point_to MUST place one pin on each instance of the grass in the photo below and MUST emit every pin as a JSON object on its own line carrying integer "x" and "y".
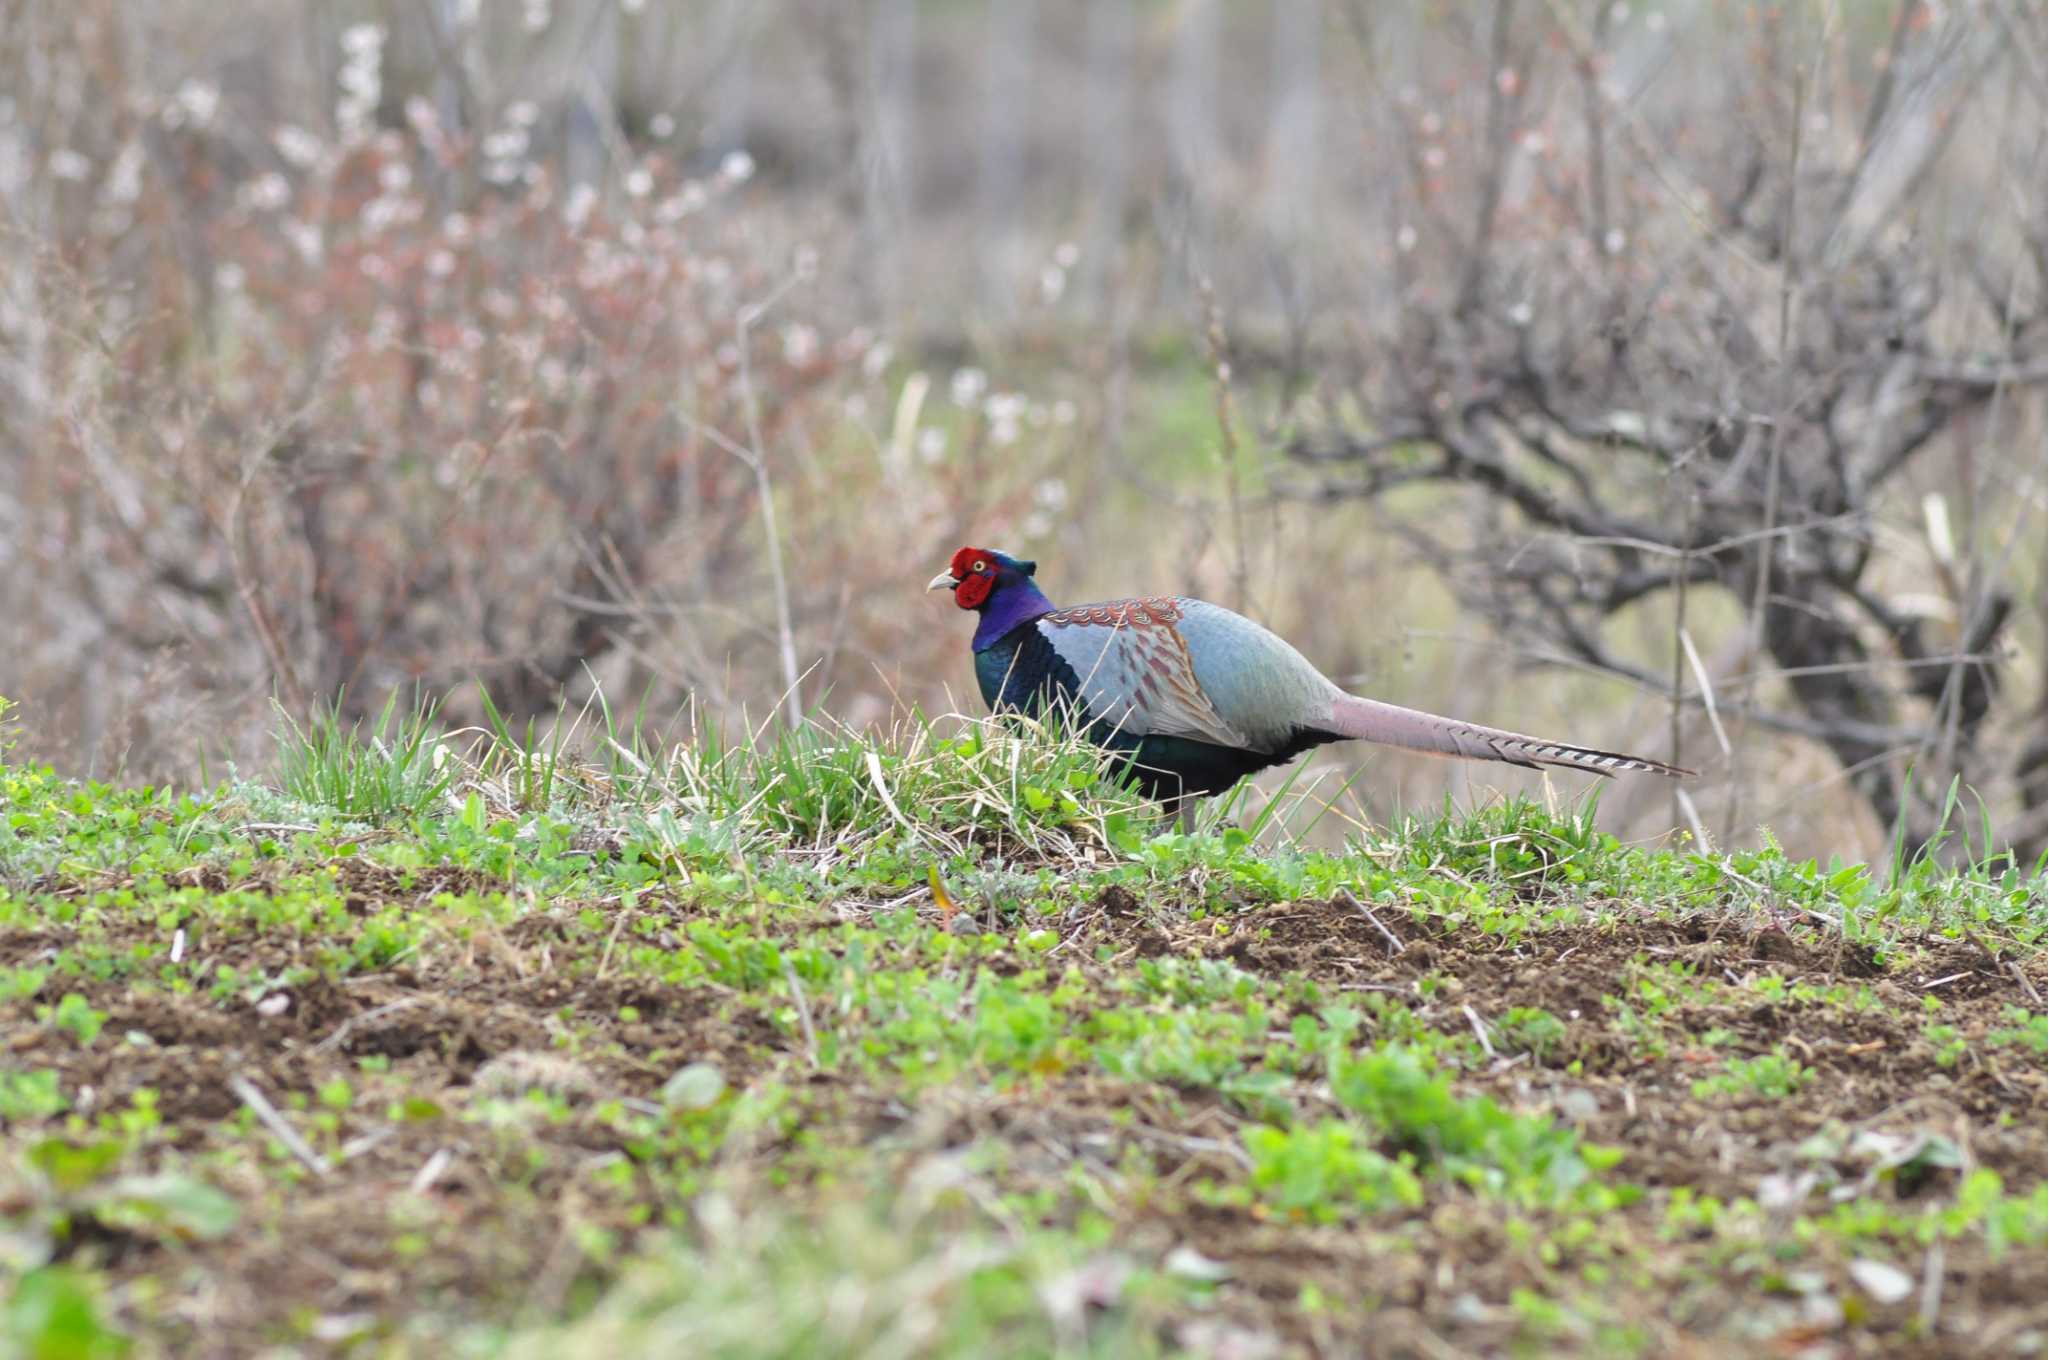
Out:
{"x": 398, "y": 766}
{"x": 933, "y": 1041}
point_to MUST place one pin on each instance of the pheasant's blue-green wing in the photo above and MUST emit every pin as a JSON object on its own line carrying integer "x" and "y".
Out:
{"x": 1253, "y": 677}
{"x": 1133, "y": 671}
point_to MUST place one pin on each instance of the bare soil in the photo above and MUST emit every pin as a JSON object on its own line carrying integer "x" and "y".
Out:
{"x": 496, "y": 1243}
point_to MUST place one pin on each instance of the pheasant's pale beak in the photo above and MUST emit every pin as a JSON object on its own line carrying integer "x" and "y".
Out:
{"x": 943, "y": 581}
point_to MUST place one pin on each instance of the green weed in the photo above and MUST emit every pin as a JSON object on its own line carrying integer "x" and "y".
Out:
{"x": 1768, "y": 1076}
{"x": 399, "y": 767}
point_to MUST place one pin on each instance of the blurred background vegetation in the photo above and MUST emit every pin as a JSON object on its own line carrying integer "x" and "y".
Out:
{"x": 1661, "y": 375}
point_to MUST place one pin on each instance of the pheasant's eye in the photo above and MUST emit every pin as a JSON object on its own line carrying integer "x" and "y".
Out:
{"x": 979, "y": 567}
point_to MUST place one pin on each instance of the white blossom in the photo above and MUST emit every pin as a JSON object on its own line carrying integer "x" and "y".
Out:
{"x": 296, "y": 145}
{"x": 361, "y": 78}
{"x": 196, "y": 102}
{"x": 1005, "y": 411}
{"x": 268, "y": 192}
{"x": 576, "y": 210}
{"x": 357, "y": 39}
{"x": 799, "y": 345}
{"x": 306, "y": 239}
{"x": 967, "y": 386}
{"x": 124, "y": 177}
{"x": 505, "y": 145}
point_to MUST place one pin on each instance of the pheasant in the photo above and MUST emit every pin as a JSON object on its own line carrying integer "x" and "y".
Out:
{"x": 1198, "y": 696}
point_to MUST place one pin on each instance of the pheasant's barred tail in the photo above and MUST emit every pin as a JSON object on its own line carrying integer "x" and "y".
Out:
{"x": 1414, "y": 730}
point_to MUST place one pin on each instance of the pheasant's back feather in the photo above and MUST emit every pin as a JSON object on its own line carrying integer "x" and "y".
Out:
{"x": 1144, "y": 612}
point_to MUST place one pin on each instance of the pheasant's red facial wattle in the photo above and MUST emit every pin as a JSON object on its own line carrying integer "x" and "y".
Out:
{"x": 973, "y": 590}
{"x": 975, "y": 570}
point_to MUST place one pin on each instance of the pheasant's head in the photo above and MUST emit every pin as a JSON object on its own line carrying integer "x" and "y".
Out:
{"x": 978, "y": 575}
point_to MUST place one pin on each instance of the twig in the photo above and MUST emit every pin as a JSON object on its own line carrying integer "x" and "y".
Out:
{"x": 1588, "y": 68}
{"x": 1699, "y": 670}
{"x": 357, "y": 1146}
{"x": 1500, "y": 127}
{"x": 1394, "y": 945}
{"x": 2033, "y": 993}
{"x": 803, "y": 1012}
{"x": 423, "y": 1180}
{"x": 604, "y": 962}
{"x": 1680, "y": 801}
{"x": 266, "y": 1113}
{"x": 1226, "y": 425}
{"x": 1479, "y": 1028}
{"x": 1930, "y": 1286}
{"x": 785, "y": 630}
{"x": 1690, "y": 811}
{"x": 252, "y": 599}
{"x": 1193, "y": 1144}
{"x": 341, "y": 1031}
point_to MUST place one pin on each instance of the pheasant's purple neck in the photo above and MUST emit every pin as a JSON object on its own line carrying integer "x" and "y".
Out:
{"x": 1018, "y": 602}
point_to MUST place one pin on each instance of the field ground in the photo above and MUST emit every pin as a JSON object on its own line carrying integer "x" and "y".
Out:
{"x": 926, "y": 1045}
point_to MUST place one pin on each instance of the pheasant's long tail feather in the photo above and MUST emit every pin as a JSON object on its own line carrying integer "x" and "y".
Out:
{"x": 1414, "y": 730}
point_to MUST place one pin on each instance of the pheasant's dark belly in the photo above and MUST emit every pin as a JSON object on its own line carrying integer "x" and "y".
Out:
{"x": 1175, "y": 767}
{"x": 1023, "y": 673}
